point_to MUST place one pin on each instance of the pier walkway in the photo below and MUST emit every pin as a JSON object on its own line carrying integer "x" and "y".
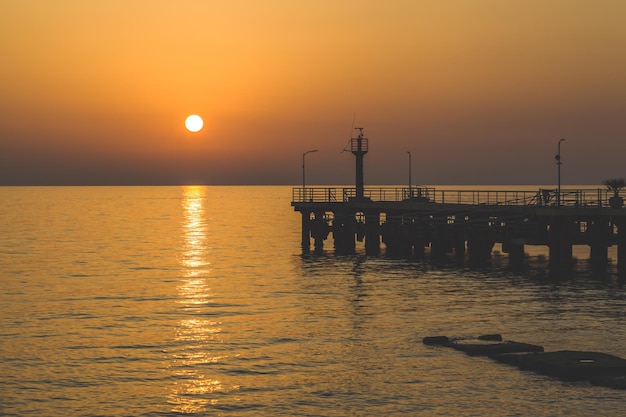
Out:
{"x": 410, "y": 220}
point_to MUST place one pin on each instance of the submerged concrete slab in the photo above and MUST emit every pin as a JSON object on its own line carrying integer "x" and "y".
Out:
{"x": 483, "y": 345}
{"x": 568, "y": 364}
{"x": 437, "y": 340}
{"x": 485, "y": 348}
{"x": 598, "y": 368}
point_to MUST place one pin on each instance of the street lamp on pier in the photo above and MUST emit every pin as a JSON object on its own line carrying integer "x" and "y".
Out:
{"x": 303, "y": 171}
{"x": 558, "y": 165}
{"x": 410, "y": 190}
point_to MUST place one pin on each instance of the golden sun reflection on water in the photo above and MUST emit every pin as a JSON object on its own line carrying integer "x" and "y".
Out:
{"x": 194, "y": 334}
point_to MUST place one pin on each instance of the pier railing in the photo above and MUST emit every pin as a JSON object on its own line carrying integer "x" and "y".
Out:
{"x": 594, "y": 197}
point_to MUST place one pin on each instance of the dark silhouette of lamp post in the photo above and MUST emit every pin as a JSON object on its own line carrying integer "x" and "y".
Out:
{"x": 303, "y": 171}
{"x": 410, "y": 190}
{"x": 558, "y": 168}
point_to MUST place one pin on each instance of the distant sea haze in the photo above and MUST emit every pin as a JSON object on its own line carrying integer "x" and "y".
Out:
{"x": 164, "y": 301}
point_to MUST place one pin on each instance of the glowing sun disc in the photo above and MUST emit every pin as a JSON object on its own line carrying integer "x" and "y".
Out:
{"x": 194, "y": 123}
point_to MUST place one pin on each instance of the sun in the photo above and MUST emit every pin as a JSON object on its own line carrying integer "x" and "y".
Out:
{"x": 194, "y": 123}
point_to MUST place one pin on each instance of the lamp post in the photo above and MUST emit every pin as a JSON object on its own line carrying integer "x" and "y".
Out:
{"x": 558, "y": 167}
{"x": 410, "y": 190}
{"x": 303, "y": 172}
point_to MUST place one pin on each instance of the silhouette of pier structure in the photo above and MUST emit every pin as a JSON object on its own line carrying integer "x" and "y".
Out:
{"x": 415, "y": 221}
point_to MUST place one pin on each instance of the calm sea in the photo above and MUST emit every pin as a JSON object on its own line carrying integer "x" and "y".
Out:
{"x": 163, "y": 301}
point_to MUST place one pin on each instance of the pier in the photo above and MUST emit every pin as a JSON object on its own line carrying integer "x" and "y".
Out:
{"x": 409, "y": 221}
{"x": 417, "y": 221}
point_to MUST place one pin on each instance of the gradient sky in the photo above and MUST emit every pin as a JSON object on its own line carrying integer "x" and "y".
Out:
{"x": 480, "y": 91}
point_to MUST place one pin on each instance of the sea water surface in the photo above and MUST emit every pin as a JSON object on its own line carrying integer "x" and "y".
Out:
{"x": 165, "y": 301}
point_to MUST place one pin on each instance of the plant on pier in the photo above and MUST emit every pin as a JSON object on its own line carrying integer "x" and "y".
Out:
{"x": 615, "y": 185}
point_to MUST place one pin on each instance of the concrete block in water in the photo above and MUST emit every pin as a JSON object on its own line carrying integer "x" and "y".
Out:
{"x": 568, "y": 364}
{"x": 492, "y": 348}
{"x": 574, "y": 364}
{"x": 487, "y": 344}
{"x": 436, "y": 340}
{"x": 495, "y": 337}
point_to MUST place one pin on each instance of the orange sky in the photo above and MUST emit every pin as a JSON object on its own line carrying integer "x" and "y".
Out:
{"x": 480, "y": 91}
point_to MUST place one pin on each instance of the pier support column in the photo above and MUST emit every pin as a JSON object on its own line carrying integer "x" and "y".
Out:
{"x": 480, "y": 243}
{"x": 459, "y": 249}
{"x": 479, "y": 251}
{"x": 513, "y": 244}
{"x": 306, "y": 231}
{"x": 417, "y": 236}
{"x": 440, "y": 242}
{"x": 319, "y": 231}
{"x": 394, "y": 237}
{"x": 600, "y": 234}
{"x": 344, "y": 229}
{"x": 460, "y": 237}
{"x": 621, "y": 246}
{"x": 561, "y": 231}
{"x": 405, "y": 238}
{"x": 372, "y": 233}
{"x": 515, "y": 249}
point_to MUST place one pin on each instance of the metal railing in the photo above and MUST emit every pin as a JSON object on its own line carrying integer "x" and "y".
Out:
{"x": 390, "y": 193}
{"x": 595, "y": 197}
